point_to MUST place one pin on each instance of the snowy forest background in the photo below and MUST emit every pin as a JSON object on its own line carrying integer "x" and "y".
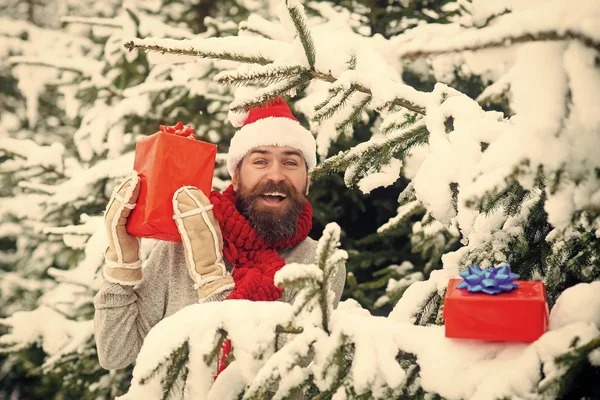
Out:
{"x": 449, "y": 133}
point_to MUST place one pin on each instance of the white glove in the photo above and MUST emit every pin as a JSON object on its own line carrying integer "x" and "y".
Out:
{"x": 122, "y": 256}
{"x": 203, "y": 244}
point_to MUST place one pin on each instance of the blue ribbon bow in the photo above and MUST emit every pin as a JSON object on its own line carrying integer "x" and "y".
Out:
{"x": 489, "y": 280}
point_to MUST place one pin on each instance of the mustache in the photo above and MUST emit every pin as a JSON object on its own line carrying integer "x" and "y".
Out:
{"x": 270, "y": 186}
{"x": 281, "y": 187}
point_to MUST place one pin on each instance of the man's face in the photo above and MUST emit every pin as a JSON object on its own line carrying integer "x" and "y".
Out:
{"x": 271, "y": 185}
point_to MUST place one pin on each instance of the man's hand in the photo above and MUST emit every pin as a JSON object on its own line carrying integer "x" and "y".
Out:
{"x": 122, "y": 257}
{"x": 203, "y": 244}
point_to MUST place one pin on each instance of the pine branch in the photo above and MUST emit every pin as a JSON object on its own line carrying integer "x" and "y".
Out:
{"x": 398, "y": 145}
{"x": 331, "y": 93}
{"x": 267, "y": 387}
{"x": 335, "y": 104}
{"x": 42, "y": 63}
{"x": 243, "y": 27}
{"x": 257, "y": 25}
{"x": 221, "y": 55}
{"x": 108, "y": 22}
{"x": 511, "y": 197}
{"x": 176, "y": 369}
{"x": 398, "y": 121}
{"x": 299, "y": 18}
{"x": 397, "y": 102}
{"x": 175, "y": 362}
{"x": 210, "y": 358}
{"x": 454, "y": 188}
{"x": 354, "y": 116}
{"x": 328, "y": 245}
{"x": 542, "y": 36}
{"x": 307, "y": 299}
{"x": 263, "y": 75}
{"x": 430, "y": 307}
{"x": 408, "y": 194}
{"x": 296, "y": 330}
{"x": 574, "y": 362}
{"x": 261, "y": 60}
{"x": 339, "y": 364}
{"x": 265, "y": 95}
{"x": 404, "y": 212}
{"x": 296, "y": 391}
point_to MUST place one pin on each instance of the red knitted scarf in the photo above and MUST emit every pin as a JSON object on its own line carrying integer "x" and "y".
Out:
{"x": 254, "y": 260}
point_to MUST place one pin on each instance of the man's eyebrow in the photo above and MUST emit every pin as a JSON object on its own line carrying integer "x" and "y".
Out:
{"x": 292, "y": 153}
{"x": 254, "y": 151}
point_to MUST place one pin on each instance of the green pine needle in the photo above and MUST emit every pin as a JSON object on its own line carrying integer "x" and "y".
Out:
{"x": 330, "y": 95}
{"x": 265, "y": 95}
{"x": 354, "y": 117}
{"x": 408, "y": 194}
{"x": 398, "y": 147}
{"x": 176, "y": 364}
{"x": 176, "y": 370}
{"x": 212, "y": 356}
{"x": 261, "y": 76}
{"x": 224, "y": 55}
{"x": 335, "y": 104}
{"x": 299, "y": 19}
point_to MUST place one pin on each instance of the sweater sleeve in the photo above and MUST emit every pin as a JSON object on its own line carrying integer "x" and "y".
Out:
{"x": 124, "y": 315}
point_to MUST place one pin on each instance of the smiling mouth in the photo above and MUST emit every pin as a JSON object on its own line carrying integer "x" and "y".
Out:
{"x": 273, "y": 198}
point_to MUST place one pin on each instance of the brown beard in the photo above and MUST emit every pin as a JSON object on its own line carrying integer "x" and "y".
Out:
{"x": 272, "y": 225}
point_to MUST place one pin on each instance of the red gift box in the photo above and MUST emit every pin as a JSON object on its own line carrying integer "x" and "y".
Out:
{"x": 519, "y": 315}
{"x": 166, "y": 161}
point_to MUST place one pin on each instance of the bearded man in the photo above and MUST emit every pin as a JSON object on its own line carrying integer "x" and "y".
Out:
{"x": 232, "y": 244}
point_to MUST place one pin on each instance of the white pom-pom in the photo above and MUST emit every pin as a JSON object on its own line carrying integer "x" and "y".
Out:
{"x": 237, "y": 118}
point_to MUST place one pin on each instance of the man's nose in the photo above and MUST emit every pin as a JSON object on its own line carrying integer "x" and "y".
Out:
{"x": 275, "y": 173}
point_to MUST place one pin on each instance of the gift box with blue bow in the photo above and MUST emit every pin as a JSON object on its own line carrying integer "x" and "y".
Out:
{"x": 491, "y": 304}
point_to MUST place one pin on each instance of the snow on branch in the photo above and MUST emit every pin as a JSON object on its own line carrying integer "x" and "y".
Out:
{"x": 386, "y": 92}
{"x": 314, "y": 281}
{"x": 81, "y": 66}
{"x": 108, "y": 22}
{"x": 502, "y": 42}
{"x": 34, "y": 154}
{"x": 338, "y": 97}
{"x": 556, "y": 20}
{"x": 265, "y": 28}
{"x": 262, "y": 96}
{"x": 57, "y": 334}
{"x": 399, "y": 143}
{"x": 358, "y": 104}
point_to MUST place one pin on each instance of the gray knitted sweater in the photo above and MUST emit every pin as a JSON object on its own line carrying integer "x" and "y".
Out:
{"x": 124, "y": 315}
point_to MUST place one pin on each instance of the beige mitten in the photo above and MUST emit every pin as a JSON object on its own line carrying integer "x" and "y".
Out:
{"x": 123, "y": 265}
{"x": 203, "y": 244}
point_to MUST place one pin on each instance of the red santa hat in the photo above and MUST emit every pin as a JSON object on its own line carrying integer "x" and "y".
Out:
{"x": 270, "y": 125}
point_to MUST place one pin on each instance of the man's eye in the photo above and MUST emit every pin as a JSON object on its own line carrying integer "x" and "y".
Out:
{"x": 291, "y": 163}
{"x": 260, "y": 162}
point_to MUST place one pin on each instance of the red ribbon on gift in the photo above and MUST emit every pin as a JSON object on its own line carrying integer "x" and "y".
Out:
{"x": 179, "y": 129}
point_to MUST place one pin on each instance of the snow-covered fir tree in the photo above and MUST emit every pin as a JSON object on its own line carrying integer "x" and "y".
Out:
{"x": 519, "y": 186}
{"x": 74, "y": 105}
{"x": 507, "y": 173}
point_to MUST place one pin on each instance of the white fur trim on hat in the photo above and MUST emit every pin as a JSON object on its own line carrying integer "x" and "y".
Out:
{"x": 237, "y": 118}
{"x": 271, "y": 131}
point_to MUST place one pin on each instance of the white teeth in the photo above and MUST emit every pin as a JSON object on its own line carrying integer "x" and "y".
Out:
{"x": 275, "y": 194}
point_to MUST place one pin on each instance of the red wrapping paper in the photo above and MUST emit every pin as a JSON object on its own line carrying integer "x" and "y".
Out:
{"x": 519, "y": 315}
{"x": 165, "y": 162}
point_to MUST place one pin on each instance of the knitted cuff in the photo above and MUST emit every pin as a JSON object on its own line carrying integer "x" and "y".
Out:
{"x": 123, "y": 274}
{"x": 219, "y": 295}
